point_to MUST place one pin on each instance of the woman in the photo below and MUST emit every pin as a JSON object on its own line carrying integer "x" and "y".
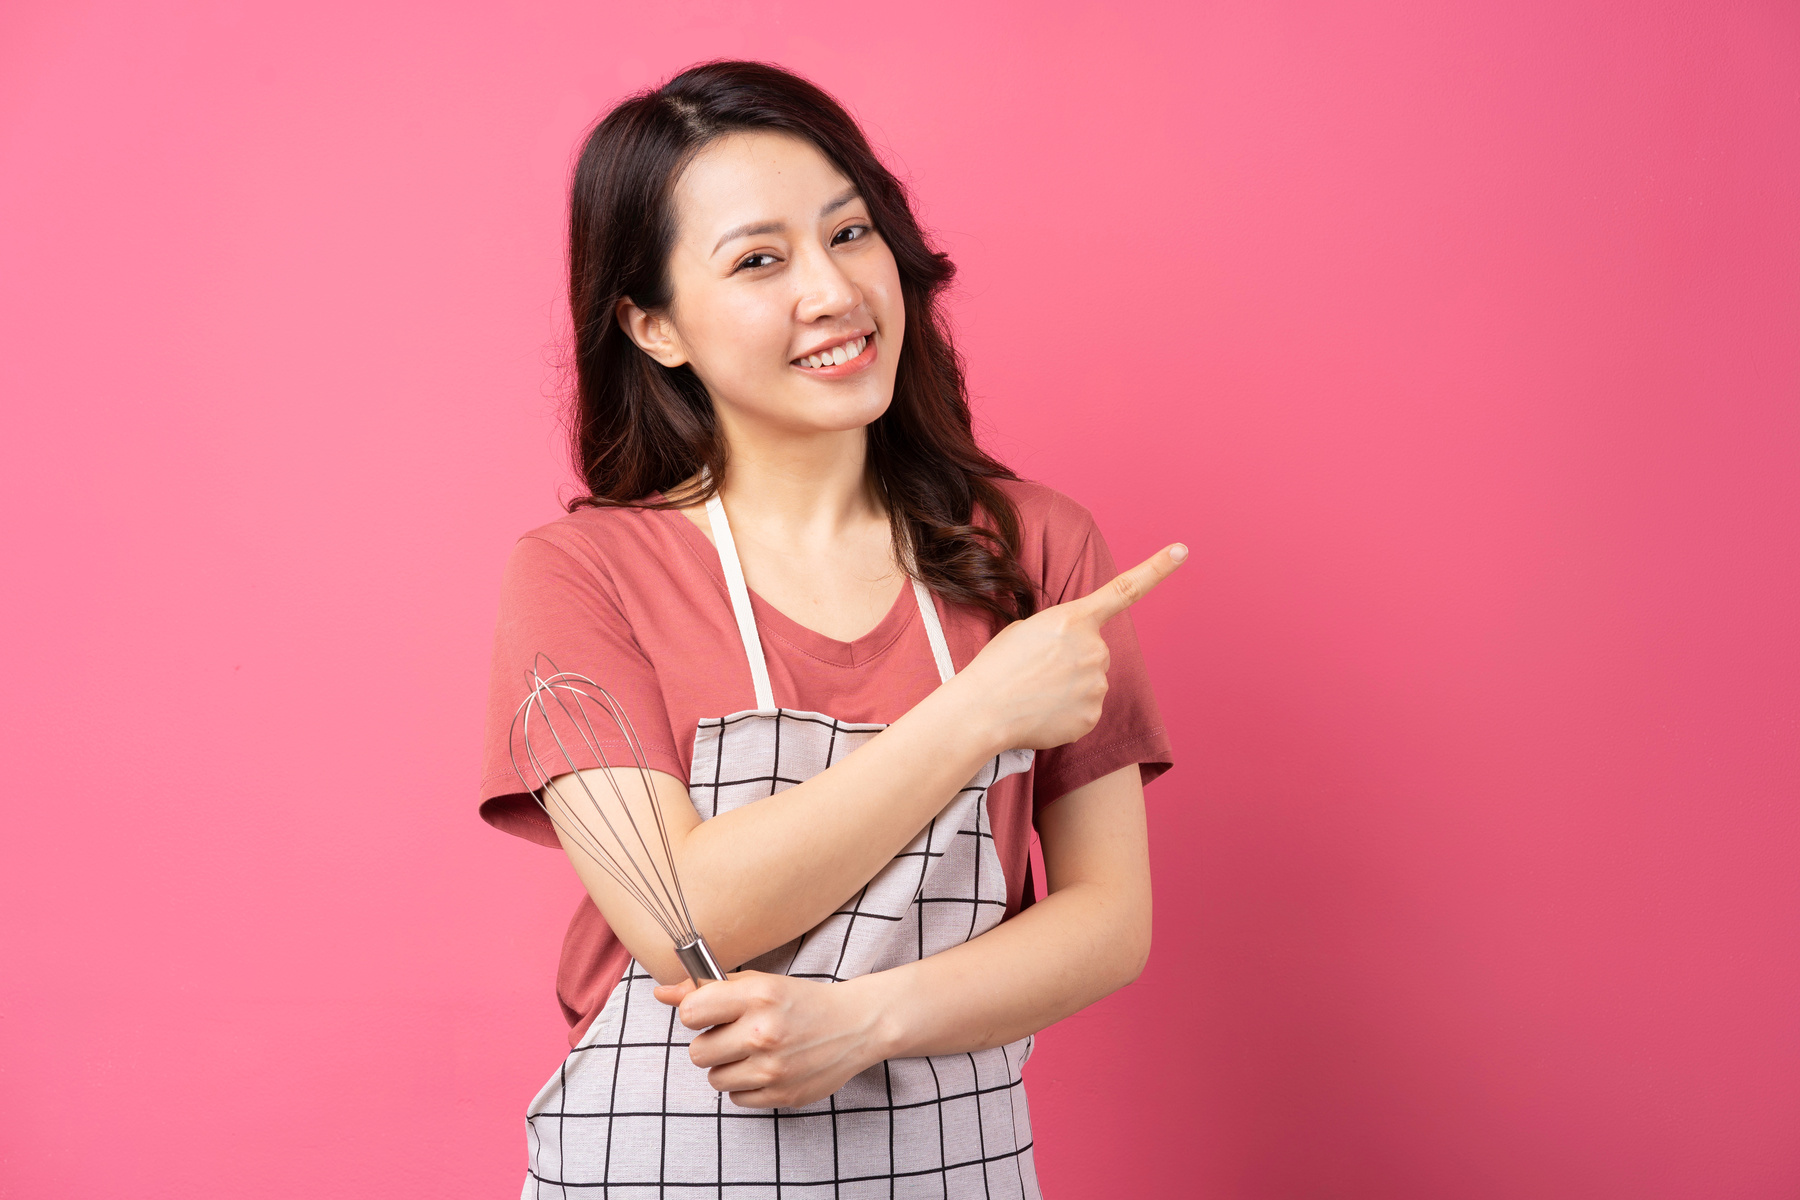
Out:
{"x": 793, "y": 548}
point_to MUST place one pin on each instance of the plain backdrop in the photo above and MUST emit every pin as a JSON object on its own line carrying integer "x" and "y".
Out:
{"x": 1461, "y": 341}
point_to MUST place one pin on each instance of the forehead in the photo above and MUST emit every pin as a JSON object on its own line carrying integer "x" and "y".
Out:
{"x": 750, "y": 177}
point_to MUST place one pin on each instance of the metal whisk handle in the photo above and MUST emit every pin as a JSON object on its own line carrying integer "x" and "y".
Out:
{"x": 697, "y": 957}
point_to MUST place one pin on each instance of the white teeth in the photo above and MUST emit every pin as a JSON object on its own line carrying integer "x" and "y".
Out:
{"x": 837, "y": 355}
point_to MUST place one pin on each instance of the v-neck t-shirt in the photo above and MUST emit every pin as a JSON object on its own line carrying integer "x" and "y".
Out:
{"x": 636, "y": 599}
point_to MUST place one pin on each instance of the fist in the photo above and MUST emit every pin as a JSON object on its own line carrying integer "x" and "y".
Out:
{"x": 771, "y": 1041}
{"x": 1045, "y": 677}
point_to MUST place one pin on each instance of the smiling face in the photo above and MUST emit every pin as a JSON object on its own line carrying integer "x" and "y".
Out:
{"x": 786, "y": 302}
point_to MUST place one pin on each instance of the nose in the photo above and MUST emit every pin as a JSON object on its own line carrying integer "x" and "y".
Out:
{"x": 824, "y": 290}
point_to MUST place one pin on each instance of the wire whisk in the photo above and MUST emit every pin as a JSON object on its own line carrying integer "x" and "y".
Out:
{"x": 555, "y": 730}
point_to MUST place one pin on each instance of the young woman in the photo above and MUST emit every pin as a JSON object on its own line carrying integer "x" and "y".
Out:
{"x": 792, "y": 548}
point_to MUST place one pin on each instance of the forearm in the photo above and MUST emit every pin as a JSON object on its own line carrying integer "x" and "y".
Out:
{"x": 775, "y": 1041}
{"x": 1062, "y": 954}
{"x": 760, "y": 875}
{"x": 1089, "y": 937}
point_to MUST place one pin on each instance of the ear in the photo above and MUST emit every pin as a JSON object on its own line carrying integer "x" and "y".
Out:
{"x": 653, "y": 333}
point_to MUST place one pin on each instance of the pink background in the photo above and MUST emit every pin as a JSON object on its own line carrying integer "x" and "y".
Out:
{"x": 1462, "y": 342}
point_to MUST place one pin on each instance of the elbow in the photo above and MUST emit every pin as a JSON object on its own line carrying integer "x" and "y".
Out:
{"x": 1135, "y": 939}
{"x": 665, "y": 968}
{"x": 1135, "y": 953}
{"x": 1120, "y": 938}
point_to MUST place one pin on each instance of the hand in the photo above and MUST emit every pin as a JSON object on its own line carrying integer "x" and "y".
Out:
{"x": 1044, "y": 678}
{"x": 776, "y": 1042}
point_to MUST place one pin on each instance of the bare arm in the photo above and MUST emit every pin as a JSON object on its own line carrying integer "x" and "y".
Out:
{"x": 776, "y": 1041}
{"x": 1087, "y": 938}
{"x": 758, "y": 876}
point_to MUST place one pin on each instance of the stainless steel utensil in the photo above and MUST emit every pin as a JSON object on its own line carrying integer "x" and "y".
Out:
{"x": 553, "y": 720}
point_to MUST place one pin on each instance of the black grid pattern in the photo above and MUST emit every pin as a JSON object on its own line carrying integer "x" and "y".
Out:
{"x": 628, "y": 1114}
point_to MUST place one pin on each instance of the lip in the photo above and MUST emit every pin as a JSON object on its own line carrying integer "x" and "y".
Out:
{"x": 848, "y": 367}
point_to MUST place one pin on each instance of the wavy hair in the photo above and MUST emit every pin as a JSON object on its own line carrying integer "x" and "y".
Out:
{"x": 638, "y": 427}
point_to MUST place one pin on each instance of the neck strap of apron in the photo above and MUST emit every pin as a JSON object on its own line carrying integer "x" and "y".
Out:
{"x": 746, "y": 620}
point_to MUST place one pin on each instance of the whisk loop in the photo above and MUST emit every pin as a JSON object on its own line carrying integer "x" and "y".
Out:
{"x": 556, "y": 733}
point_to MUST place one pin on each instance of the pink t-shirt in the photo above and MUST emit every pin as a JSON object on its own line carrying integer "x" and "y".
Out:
{"x": 636, "y": 599}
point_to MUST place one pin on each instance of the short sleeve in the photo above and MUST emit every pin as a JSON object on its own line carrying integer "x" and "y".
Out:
{"x": 557, "y": 601}
{"x": 1131, "y": 726}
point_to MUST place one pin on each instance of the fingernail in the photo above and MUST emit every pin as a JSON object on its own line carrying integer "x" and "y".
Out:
{"x": 1178, "y": 552}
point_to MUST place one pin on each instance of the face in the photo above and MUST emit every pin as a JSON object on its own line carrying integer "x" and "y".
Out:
{"x": 786, "y": 302}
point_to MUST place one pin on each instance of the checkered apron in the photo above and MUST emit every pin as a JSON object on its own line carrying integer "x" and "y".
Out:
{"x": 629, "y": 1115}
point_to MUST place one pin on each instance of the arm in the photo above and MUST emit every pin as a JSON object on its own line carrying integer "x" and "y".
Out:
{"x": 1089, "y": 937}
{"x": 763, "y": 874}
{"x": 779, "y": 1041}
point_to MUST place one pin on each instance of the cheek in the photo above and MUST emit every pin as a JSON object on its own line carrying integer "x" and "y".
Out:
{"x": 890, "y": 305}
{"x": 737, "y": 338}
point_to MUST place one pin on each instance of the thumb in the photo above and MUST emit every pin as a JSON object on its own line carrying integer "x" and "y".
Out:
{"x": 673, "y": 994}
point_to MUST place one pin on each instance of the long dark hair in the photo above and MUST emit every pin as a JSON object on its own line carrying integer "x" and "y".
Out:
{"x": 639, "y": 427}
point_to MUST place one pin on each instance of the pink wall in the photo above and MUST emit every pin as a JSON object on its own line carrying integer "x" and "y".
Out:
{"x": 1461, "y": 341}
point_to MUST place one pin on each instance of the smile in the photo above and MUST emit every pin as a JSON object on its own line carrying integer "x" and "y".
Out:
{"x": 843, "y": 354}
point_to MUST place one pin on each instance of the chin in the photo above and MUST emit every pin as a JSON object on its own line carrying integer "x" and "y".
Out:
{"x": 837, "y": 413}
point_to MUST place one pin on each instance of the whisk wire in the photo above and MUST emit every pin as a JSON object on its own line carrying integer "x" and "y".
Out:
{"x": 641, "y": 875}
{"x": 581, "y": 835}
{"x": 659, "y": 887}
{"x": 623, "y": 719}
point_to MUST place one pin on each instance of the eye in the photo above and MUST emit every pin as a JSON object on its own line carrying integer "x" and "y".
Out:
{"x": 850, "y": 233}
{"x": 753, "y": 262}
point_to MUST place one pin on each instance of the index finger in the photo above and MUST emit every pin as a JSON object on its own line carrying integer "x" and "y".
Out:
{"x": 1128, "y": 587}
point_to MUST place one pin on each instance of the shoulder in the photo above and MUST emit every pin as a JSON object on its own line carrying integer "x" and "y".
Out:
{"x": 596, "y": 549}
{"x": 1047, "y": 517}
{"x": 597, "y": 535}
{"x": 1059, "y": 545}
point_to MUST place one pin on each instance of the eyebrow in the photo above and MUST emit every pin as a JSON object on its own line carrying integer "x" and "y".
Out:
{"x": 759, "y": 227}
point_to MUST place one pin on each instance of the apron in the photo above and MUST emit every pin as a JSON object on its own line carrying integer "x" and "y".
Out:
{"x": 629, "y": 1115}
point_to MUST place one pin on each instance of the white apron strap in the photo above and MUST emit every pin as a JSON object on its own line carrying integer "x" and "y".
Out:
{"x": 934, "y": 631}
{"x": 746, "y": 619}
{"x": 740, "y": 602}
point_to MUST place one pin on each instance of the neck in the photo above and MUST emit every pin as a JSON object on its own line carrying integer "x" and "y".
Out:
{"x": 801, "y": 489}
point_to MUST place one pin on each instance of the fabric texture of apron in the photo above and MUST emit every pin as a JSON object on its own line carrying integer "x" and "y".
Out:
{"x": 628, "y": 1114}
